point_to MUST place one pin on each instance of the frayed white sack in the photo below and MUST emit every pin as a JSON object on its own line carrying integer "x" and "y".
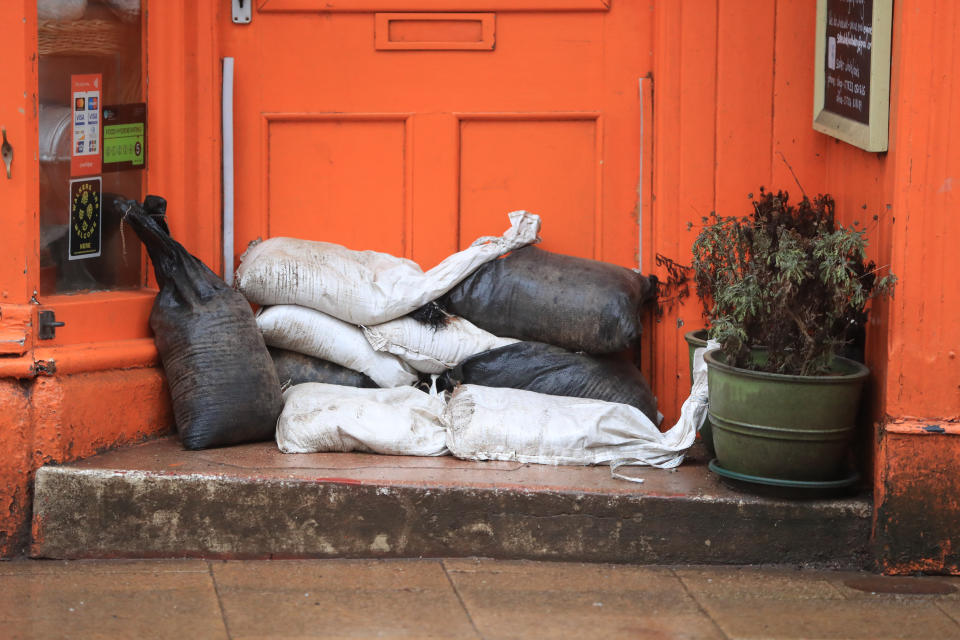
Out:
{"x": 364, "y": 287}
{"x": 429, "y": 349}
{"x": 486, "y": 423}
{"x": 316, "y": 334}
{"x": 321, "y": 417}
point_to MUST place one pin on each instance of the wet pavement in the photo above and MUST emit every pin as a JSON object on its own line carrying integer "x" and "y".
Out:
{"x": 462, "y": 598}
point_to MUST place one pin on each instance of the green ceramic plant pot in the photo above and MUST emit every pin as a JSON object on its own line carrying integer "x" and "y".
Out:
{"x": 696, "y": 340}
{"x": 771, "y": 425}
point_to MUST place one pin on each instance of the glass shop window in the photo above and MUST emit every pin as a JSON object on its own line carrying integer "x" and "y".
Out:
{"x": 92, "y": 142}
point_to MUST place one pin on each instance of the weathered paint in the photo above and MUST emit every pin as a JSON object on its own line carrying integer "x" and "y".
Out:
{"x": 917, "y": 519}
{"x": 16, "y": 328}
{"x": 15, "y": 461}
{"x": 67, "y": 417}
{"x": 918, "y": 498}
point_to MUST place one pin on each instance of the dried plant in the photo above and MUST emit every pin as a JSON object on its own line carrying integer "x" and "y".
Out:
{"x": 788, "y": 278}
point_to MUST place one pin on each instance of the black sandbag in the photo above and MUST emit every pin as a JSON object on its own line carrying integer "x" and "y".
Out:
{"x": 223, "y": 384}
{"x": 545, "y": 368}
{"x": 575, "y": 303}
{"x": 297, "y": 368}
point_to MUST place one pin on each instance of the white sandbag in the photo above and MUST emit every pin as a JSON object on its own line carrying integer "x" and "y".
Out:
{"x": 62, "y": 10}
{"x": 364, "y": 287}
{"x": 487, "y": 423}
{"x": 321, "y": 417}
{"x": 126, "y": 10}
{"x": 316, "y": 334}
{"x": 432, "y": 349}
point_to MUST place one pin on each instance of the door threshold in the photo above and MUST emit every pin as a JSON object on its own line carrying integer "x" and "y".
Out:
{"x": 251, "y": 501}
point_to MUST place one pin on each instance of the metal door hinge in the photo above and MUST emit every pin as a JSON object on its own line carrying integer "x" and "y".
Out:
{"x": 242, "y": 11}
{"x": 47, "y": 325}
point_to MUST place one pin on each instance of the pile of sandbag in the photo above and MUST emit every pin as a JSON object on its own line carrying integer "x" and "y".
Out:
{"x": 532, "y": 320}
{"x": 518, "y": 331}
{"x": 485, "y": 357}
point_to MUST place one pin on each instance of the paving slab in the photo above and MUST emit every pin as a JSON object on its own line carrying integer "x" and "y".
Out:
{"x": 157, "y": 499}
{"x": 772, "y": 602}
{"x": 343, "y": 599}
{"x": 520, "y": 599}
{"x": 53, "y": 600}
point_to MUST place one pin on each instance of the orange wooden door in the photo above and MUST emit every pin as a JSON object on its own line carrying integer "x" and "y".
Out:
{"x": 414, "y": 126}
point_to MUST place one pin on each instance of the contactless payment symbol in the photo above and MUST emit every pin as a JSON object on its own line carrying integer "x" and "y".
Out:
{"x": 86, "y": 219}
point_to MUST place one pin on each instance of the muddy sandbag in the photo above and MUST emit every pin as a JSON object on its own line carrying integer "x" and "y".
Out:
{"x": 544, "y": 368}
{"x": 575, "y": 303}
{"x": 297, "y": 368}
{"x": 223, "y": 384}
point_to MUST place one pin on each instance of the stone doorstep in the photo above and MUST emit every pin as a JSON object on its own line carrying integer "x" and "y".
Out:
{"x": 251, "y": 501}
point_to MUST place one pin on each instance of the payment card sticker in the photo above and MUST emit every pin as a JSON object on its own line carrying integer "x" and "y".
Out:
{"x": 86, "y": 152}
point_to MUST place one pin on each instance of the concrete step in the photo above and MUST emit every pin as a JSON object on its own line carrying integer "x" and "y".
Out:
{"x": 252, "y": 501}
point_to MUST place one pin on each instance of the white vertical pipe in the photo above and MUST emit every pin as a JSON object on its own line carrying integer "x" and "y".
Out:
{"x": 227, "y": 134}
{"x": 640, "y": 183}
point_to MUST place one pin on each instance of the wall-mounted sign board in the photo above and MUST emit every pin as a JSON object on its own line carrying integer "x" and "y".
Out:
{"x": 851, "y": 96}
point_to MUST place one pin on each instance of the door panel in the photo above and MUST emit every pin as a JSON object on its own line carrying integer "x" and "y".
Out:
{"x": 419, "y": 150}
{"x": 538, "y": 163}
{"x": 337, "y": 178}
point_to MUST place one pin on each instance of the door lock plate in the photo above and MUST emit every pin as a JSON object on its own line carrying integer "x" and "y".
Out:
{"x": 242, "y": 11}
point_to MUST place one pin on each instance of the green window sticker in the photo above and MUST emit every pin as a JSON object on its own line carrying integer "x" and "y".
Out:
{"x": 124, "y": 143}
